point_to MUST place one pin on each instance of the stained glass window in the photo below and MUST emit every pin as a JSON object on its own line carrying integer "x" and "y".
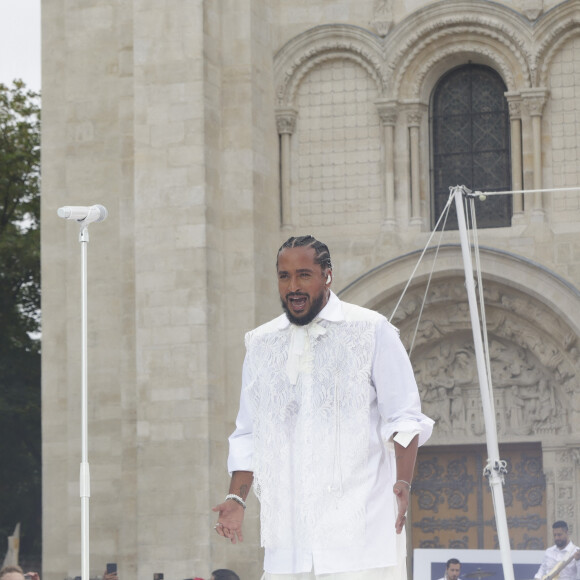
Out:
{"x": 470, "y": 143}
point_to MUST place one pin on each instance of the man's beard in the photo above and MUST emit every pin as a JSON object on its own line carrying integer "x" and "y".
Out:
{"x": 315, "y": 308}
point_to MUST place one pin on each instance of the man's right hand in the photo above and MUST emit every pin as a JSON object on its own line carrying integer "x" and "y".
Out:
{"x": 230, "y": 520}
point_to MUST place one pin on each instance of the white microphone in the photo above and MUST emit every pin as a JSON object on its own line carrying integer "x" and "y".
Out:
{"x": 83, "y": 214}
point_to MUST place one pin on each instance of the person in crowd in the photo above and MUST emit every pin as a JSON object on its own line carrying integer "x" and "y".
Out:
{"x": 563, "y": 558}
{"x": 452, "y": 570}
{"x": 224, "y": 574}
{"x": 16, "y": 573}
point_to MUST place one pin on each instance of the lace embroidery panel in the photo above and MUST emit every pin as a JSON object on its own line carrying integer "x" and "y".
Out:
{"x": 311, "y": 438}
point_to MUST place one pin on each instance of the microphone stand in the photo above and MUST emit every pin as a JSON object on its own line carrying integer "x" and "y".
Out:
{"x": 84, "y": 216}
{"x": 85, "y": 478}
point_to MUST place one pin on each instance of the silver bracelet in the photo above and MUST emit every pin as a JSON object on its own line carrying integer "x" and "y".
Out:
{"x": 403, "y": 481}
{"x": 237, "y": 499}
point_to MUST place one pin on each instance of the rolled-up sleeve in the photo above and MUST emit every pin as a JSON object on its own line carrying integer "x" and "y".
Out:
{"x": 240, "y": 457}
{"x": 397, "y": 393}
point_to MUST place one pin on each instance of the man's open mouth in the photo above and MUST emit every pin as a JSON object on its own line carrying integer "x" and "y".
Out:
{"x": 297, "y": 302}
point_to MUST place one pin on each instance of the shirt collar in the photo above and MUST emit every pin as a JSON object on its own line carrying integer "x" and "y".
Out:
{"x": 332, "y": 312}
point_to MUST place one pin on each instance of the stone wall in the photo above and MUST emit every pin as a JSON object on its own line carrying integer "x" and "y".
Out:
{"x": 212, "y": 131}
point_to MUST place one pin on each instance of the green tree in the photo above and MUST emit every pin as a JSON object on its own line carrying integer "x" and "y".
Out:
{"x": 20, "y": 437}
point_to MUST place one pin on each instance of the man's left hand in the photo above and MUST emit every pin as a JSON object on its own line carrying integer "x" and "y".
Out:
{"x": 401, "y": 491}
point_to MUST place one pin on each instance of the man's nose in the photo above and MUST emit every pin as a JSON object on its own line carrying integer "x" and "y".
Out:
{"x": 294, "y": 284}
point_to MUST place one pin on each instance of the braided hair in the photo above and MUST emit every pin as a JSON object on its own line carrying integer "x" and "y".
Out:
{"x": 321, "y": 251}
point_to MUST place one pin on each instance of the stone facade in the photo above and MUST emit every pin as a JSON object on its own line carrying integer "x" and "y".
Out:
{"x": 214, "y": 129}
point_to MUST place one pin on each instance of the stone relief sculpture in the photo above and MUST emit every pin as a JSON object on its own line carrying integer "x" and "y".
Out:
{"x": 531, "y": 9}
{"x": 534, "y": 363}
{"x": 463, "y": 374}
{"x": 382, "y": 20}
{"x": 515, "y": 411}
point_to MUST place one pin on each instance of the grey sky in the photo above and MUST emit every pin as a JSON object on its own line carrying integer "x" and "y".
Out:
{"x": 20, "y": 42}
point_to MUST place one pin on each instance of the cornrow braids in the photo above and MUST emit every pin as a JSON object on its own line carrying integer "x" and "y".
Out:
{"x": 321, "y": 251}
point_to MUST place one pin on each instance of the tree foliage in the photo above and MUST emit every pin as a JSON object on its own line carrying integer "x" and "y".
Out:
{"x": 20, "y": 437}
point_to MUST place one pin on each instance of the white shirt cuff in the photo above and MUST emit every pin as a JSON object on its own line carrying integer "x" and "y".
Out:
{"x": 405, "y": 437}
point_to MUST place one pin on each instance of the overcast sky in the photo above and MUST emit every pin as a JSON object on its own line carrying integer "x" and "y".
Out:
{"x": 20, "y": 42}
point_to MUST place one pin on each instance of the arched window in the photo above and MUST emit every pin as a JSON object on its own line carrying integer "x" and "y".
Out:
{"x": 470, "y": 143}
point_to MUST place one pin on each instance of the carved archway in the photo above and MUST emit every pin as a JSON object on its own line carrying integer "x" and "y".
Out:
{"x": 533, "y": 323}
{"x": 336, "y": 41}
{"x": 485, "y": 33}
{"x": 556, "y": 28}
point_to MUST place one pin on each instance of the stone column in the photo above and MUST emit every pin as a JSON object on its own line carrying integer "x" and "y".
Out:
{"x": 388, "y": 115}
{"x": 414, "y": 118}
{"x": 535, "y": 99}
{"x": 515, "y": 108}
{"x": 561, "y": 466}
{"x": 286, "y": 124}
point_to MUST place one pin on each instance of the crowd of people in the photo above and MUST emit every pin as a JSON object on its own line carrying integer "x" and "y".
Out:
{"x": 17, "y": 573}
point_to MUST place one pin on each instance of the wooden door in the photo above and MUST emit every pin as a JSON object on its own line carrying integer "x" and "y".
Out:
{"x": 452, "y": 506}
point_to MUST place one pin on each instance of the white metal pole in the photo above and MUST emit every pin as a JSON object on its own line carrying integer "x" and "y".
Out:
{"x": 84, "y": 215}
{"x": 85, "y": 479}
{"x": 494, "y": 470}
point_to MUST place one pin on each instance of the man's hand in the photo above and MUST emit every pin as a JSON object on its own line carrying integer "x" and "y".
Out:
{"x": 230, "y": 520}
{"x": 577, "y": 554}
{"x": 401, "y": 492}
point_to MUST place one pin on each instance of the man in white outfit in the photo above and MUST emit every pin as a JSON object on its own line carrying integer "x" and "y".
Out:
{"x": 327, "y": 432}
{"x": 562, "y": 559}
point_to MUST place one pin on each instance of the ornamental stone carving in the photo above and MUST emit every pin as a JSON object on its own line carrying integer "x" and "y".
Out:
{"x": 534, "y": 100}
{"x": 531, "y": 9}
{"x": 565, "y": 512}
{"x": 552, "y": 44}
{"x": 286, "y": 120}
{"x": 514, "y": 100}
{"x": 319, "y": 45}
{"x": 388, "y": 112}
{"x": 532, "y": 356}
{"x": 382, "y": 20}
{"x": 443, "y": 32}
{"x": 414, "y": 118}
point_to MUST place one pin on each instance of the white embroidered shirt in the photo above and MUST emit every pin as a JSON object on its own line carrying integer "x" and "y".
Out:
{"x": 318, "y": 409}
